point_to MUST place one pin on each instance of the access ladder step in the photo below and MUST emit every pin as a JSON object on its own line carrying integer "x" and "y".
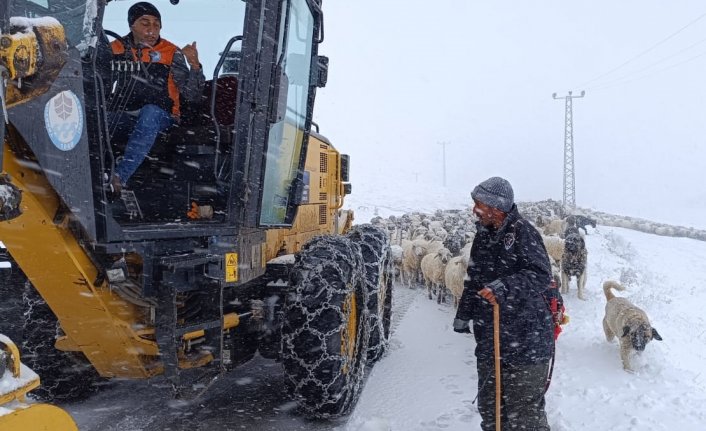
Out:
{"x": 132, "y": 207}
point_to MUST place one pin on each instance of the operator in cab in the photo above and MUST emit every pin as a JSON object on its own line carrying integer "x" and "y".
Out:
{"x": 149, "y": 75}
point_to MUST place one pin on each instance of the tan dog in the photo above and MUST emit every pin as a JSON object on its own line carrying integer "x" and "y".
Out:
{"x": 629, "y": 322}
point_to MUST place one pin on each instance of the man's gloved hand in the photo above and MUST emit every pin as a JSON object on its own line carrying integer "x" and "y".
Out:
{"x": 461, "y": 326}
{"x": 487, "y": 294}
{"x": 493, "y": 292}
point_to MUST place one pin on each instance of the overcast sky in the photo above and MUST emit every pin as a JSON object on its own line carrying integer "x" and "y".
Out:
{"x": 406, "y": 75}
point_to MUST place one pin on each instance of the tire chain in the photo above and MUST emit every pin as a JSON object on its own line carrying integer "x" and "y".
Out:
{"x": 64, "y": 375}
{"x": 314, "y": 297}
{"x": 377, "y": 256}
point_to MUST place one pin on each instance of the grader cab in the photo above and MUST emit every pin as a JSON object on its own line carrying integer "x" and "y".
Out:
{"x": 231, "y": 238}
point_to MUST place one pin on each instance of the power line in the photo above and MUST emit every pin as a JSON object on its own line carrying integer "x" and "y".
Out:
{"x": 649, "y": 66}
{"x": 700, "y": 17}
{"x": 615, "y": 84}
{"x": 625, "y": 78}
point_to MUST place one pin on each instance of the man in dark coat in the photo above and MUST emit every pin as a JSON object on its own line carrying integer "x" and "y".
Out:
{"x": 509, "y": 266}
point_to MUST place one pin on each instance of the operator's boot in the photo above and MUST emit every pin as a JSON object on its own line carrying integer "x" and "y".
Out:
{"x": 113, "y": 187}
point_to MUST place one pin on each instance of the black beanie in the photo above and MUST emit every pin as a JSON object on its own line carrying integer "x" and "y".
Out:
{"x": 142, "y": 8}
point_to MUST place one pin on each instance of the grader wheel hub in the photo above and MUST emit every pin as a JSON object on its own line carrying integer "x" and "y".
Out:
{"x": 348, "y": 335}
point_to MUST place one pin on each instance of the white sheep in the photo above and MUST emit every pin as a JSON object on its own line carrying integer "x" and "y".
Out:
{"x": 412, "y": 253}
{"x": 419, "y": 232}
{"x": 466, "y": 250}
{"x": 454, "y": 274}
{"x": 555, "y": 227}
{"x": 437, "y": 231}
{"x": 432, "y": 246}
{"x": 433, "y": 266}
{"x": 554, "y": 246}
{"x": 396, "y": 251}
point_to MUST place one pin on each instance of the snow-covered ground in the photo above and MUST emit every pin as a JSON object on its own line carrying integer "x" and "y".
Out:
{"x": 428, "y": 380}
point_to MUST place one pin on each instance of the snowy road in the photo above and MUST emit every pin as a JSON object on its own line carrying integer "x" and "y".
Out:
{"x": 252, "y": 397}
{"x": 426, "y": 382}
{"x": 428, "y": 378}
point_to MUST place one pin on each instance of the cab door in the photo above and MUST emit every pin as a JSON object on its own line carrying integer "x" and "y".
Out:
{"x": 283, "y": 182}
{"x": 269, "y": 177}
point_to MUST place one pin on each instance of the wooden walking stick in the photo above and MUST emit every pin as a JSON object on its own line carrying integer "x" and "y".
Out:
{"x": 496, "y": 342}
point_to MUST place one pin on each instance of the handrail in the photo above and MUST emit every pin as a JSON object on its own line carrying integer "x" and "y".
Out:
{"x": 213, "y": 100}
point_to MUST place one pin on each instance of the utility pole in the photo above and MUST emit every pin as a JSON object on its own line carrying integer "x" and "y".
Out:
{"x": 443, "y": 162}
{"x": 569, "y": 177}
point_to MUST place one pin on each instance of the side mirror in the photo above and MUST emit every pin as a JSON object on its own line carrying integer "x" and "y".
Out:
{"x": 279, "y": 107}
{"x": 345, "y": 167}
{"x": 320, "y": 71}
{"x": 301, "y": 189}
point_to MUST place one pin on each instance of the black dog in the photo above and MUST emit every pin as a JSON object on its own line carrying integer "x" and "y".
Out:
{"x": 580, "y": 222}
{"x": 574, "y": 263}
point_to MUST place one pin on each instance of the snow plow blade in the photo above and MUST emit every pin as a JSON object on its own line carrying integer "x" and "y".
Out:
{"x": 38, "y": 417}
{"x": 16, "y": 380}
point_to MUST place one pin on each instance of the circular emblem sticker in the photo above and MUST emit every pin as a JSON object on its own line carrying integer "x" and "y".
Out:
{"x": 63, "y": 119}
{"x": 509, "y": 240}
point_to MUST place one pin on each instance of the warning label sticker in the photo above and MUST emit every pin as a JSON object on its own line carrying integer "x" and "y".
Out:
{"x": 231, "y": 267}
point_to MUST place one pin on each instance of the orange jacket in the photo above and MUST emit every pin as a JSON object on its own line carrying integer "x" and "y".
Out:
{"x": 152, "y": 76}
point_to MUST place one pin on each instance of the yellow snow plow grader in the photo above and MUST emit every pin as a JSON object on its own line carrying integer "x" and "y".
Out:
{"x": 16, "y": 380}
{"x": 230, "y": 239}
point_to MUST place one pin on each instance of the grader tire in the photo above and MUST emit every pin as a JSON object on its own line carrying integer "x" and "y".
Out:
{"x": 377, "y": 257}
{"x": 12, "y": 282}
{"x": 325, "y": 332}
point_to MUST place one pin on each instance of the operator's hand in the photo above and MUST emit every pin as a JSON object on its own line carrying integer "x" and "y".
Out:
{"x": 461, "y": 326}
{"x": 487, "y": 294}
{"x": 192, "y": 55}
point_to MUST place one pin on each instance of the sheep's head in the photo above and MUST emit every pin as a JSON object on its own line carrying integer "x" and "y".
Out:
{"x": 419, "y": 250}
{"x": 444, "y": 255}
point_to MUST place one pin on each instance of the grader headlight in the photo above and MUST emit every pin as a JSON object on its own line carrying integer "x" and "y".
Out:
{"x": 10, "y": 198}
{"x": 35, "y": 49}
{"x": 19, "y": 53}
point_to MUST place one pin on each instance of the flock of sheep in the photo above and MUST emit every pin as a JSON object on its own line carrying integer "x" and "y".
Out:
{"x": 433, "y": 249}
